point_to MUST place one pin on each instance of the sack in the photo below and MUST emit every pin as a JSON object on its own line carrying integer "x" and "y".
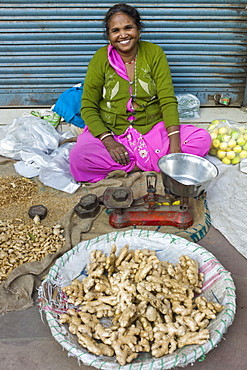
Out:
{"x": 229, "y": 140}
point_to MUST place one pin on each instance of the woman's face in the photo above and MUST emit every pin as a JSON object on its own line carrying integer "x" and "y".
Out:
{"x": 123, "y": 33}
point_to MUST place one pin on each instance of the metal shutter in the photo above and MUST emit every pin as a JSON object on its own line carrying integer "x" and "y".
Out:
{"x": 45, "y": 46}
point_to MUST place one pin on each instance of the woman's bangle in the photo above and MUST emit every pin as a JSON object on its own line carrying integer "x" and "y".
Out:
{"x": 105, "y": 135}
{"x": 173, "y": 132}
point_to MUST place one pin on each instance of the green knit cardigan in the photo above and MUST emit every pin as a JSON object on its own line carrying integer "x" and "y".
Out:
{"x": 105, "y": 93}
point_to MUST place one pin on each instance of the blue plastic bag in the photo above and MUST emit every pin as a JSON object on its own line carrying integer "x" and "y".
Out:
{"x": 68, "y": 106}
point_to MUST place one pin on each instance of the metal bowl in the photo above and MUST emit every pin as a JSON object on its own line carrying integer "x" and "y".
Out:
{"x": 185, "y": 174}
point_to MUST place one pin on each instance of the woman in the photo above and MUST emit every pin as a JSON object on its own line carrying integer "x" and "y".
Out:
{"x": 129, "y": 106}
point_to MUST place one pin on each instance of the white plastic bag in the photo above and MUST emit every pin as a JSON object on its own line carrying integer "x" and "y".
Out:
{"x": 56, "y": 173}
{"x": 188, "y": 106}
{"x": 27, "y": 133}
{"x": 53, "y": 170}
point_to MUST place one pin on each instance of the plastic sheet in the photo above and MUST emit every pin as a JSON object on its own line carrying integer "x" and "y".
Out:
{"x": 243, "y": 165}
{"x": 227, "y": 204}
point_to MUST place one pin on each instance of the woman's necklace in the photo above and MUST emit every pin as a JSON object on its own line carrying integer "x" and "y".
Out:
{"x": 132, "y": 61}
{"x": 134, "y": 82}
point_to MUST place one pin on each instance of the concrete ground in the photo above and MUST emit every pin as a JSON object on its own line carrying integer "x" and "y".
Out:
{"x": 26, "y": 342}
{"x": 7, "y": 115}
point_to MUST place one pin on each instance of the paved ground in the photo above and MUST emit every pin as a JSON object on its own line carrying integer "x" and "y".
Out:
{"x": 207, "y": 115}
{"x": 27, "y": 344}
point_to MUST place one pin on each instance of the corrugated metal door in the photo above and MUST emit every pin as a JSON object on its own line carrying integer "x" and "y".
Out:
{"x": 45, "y": 46}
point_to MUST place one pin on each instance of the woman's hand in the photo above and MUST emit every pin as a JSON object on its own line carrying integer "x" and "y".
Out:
{"x": 117, "y": 151}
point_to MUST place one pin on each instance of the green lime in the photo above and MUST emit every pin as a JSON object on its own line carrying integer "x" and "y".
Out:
{"x": 234, "y": 134}
{"x": 235, "y": 160}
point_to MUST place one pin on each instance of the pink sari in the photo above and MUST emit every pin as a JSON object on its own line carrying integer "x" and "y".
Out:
{"x": 91, "y": 162}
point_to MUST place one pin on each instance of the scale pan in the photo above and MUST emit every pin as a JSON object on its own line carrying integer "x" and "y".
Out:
{"x": 186, "y": 175}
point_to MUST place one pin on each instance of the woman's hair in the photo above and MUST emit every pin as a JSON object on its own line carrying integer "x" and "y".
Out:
{"x": 122, "y": 8}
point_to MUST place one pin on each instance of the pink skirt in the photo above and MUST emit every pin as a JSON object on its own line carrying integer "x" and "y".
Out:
{"x": 91, "y": 162}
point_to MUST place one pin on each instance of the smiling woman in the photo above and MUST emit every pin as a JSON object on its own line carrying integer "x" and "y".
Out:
{"x": 129, "y": 106}
{"x": 124, "y": 35}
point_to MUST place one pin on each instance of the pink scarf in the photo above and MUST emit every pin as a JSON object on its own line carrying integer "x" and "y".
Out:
{"x": 117, "y": 63}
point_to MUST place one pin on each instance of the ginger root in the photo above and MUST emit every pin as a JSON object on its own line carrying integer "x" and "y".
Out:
{"x": 209, "y": 308}
{"x": 193, "y": 338}
{"x": 151, "y": 304}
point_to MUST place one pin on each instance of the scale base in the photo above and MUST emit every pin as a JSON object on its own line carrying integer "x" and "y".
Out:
{"x": 127, "y": 217}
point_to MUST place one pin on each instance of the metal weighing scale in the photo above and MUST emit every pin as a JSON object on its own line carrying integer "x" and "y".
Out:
{"x": 183, "y": 176}
{"x": 151, "y": 209}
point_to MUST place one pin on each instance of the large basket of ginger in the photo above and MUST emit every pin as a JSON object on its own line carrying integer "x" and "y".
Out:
{"x": 138, "y": 298}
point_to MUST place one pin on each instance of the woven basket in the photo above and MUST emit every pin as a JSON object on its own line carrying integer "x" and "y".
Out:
{"x": 218, "y": 286}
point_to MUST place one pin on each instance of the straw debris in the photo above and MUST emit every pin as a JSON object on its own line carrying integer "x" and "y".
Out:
{"x": 15, "y": 189}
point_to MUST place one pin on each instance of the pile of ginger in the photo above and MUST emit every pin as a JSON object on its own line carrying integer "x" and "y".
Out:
{"x": 151, "y": 304}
